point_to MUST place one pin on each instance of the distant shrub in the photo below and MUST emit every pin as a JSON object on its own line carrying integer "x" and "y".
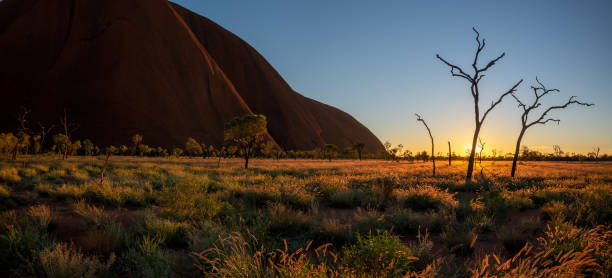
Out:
{"x": 10, "y": 175}
{"x": 5, "y": 193}
{"x": 407, "y": 221}
{"x": 377, "y": 254}
{"x": 422, "y": 198}
{"x": 348, "y": 198}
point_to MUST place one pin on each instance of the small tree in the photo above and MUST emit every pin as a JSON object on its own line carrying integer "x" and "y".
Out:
{"x": 540, "y": 91}
{"x": 558, "y": 151}
{"x": 75, "y": 147}
{"x": 123, "y": 149}
{"x": 192, "y": 147}
{"x": 596, "y": 152}
{"x": 359, "y": 149}
{"x": 68, "y": 129}
{"x": 177, "y": 152}
{"x": 481, "y": 144}
{"x": 62, "y": 144}
{"x": 474, "y": 81}
{"x": 246, "y": 133}
{"x": 44, "y": 131}
{"x": 136, "y": 141}
{"x": 88, "y": 147}
{"x": 433, "y": 158}
{"x": 330, "y": 150}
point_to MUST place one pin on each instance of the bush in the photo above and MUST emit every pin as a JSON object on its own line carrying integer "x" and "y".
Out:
{"x": 380, "y": 255}
{"x": 348, "y": 198}
{"x": 5, "y": 193}
{"x": 94, "y": 216}
{"x": 20, "y": 250}
{"x": 62, "y": 261}
{"x": 146, "y": 259}
{"x": 10, "y": 175}
{"x": 555, "y": 211}
{"x": 42, "y": 216}
{"x": 423, "y": 198}
{"x": 287, "y": 222}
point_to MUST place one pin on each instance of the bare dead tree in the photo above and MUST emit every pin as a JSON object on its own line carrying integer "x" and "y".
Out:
{"x": 433, "y": 157}
{"x": 44, "y": 131}
{"x": 596, "y": 153}
{"x": 449, "y": 154}
{"x": 481, "y": 144}
{"x": 22, "y": 131}
{"x": 540, "y": 91}
{"x": 68, "y": 129}
{"x": 474, "y": 79}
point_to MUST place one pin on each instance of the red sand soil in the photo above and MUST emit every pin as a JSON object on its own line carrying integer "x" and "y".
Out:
{"x": 150, "y": 67}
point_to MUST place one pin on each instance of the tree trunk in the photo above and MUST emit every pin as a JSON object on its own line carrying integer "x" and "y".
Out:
{"x": 219, "y": 162}
{"x": 246, "y": 162}
{"x": 516, "y": 152}
{"x": 470, "y": 169}
{"x": 359, "y": 153}
{"x": 433, "y": 156}
{"x": 449, "y": 154}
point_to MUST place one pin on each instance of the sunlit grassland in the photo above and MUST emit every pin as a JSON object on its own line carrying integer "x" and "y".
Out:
{"x": 160, "y": 217}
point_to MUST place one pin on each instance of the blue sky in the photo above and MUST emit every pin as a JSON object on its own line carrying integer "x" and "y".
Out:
{"x": 376, "y": 61}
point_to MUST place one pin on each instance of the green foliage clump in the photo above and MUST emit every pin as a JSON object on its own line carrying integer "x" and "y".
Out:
{"x": 377, "y": 255}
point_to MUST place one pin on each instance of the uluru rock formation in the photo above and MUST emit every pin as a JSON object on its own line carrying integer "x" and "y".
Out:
{"x": 121, "y": 67}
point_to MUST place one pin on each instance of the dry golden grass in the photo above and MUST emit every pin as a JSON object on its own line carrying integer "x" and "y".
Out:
{"x": 157, "y": 214}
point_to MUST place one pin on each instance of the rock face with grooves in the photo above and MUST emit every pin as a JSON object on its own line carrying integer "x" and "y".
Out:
{"x": 121, "y": 67}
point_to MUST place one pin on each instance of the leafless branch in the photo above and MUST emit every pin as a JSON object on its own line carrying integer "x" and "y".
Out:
{"x": 499, "y": 100}
{"x": 461, "y": 73}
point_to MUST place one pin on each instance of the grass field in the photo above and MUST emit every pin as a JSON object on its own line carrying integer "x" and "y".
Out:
{"x": 159, "y": 217}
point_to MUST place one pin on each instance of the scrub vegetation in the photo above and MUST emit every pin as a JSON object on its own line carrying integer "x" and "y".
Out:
{"x": 194, "y": 217}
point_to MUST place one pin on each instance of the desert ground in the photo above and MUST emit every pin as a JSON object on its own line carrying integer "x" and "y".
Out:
{"x": 190, "y": 217}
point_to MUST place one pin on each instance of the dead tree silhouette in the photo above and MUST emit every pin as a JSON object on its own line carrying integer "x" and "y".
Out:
{"x": 474, "y": 80}
{"x": 433, "y": 157}
{"x": 482, "y": 145}
{"x": 449, "y": 154}
{"x": 539, "y": 93}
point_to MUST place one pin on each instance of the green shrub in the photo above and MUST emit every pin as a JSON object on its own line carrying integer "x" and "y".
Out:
{"x": 146, "y": 259}
{"x": 20, "y": 249}
{"x": 555, "y": 211}
{"x": 377, "y": 255}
